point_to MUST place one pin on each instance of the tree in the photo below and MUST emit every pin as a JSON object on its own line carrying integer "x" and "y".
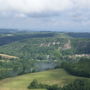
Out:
{"x": 34, "y": 84}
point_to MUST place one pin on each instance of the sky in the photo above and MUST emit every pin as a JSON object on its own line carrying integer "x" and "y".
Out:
{"x": 55, "y": 15}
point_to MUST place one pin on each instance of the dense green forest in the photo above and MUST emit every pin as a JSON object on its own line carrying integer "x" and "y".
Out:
{"x": 80, "y": 68}
{"x": 38, "y": 51}
{"x": 79, "y": 35}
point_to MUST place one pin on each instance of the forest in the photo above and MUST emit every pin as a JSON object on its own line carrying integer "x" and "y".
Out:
{"x": 22, "y": 53}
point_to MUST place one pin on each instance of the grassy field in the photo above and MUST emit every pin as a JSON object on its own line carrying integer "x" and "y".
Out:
{"x": 58, "y": 76}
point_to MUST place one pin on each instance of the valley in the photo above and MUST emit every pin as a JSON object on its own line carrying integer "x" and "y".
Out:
{"x": 49, "y": 57}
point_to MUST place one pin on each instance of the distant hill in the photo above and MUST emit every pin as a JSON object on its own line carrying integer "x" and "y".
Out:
{"x": 9, "y": 38}
{"x": 3, "y": 31}
{"x": 79, "y": 35}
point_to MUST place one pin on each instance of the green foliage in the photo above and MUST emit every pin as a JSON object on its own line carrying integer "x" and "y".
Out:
{"x": 81, "y": 46}
{"x": 40, "y": 51}
{"x": 10, "y": 68}
{"x": 79, "y": 35}
{"x": 54, "y": 87}
{"x": 80, "y": 68}
{"x": 35, "y": 85}
{"x": 77, "y": 85}
{"x": 32, "y": 50}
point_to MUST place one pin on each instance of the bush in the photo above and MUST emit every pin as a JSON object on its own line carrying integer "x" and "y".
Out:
{"x": 34, "y": 84}
{"x": 54, "y": 87}
{"x": 77, "y": 85}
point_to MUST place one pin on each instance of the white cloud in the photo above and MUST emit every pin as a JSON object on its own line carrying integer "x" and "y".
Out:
{"x": 29, "y": 6}
{"x": 81, "y": 3}
{"x": 20, "y": 15}
{"x": 70, "y": 11}
{"x": 39, "y": 6}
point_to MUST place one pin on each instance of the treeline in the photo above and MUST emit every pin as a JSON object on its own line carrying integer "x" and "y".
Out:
{"x": 9, "y": 39}
{"x": 78, "y": 84}
{"x": 81, "y": 46}
{"x": 9, "y": 68}
{"x": 79, "y": 35}
{"x": 14, "y": 67}
{"x": 6, "y": 31}
{"x": 80, "y": 68}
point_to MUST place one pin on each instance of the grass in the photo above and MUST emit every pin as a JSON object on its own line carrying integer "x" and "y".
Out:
{"x": 58, "y": 76}
{"x": 8, "y": 56}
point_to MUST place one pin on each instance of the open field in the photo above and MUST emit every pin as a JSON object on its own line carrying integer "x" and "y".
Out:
{"x": 58, "y": 76}
{"x": 8, "y": 56}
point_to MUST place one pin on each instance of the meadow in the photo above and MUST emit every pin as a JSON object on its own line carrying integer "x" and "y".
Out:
{"x": 50, "y": 77}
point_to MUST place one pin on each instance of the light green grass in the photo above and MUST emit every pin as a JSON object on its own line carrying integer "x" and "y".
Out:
{"x": 58, "y": 76}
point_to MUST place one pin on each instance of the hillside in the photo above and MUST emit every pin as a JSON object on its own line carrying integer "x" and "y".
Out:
{"x": 58, "y": 76}
{"x": 12, "y": 37}
{"x": 39, "y": 51}
{"x": 79, "y": 35}
{"x": 43, "y": 45}
{"x": 24, "y": 53}
{"x": 36, "y": 48}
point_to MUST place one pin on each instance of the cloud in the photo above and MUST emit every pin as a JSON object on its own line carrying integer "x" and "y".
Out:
{"x": 81, "y": 3}
{"x": 35, "y": 6}
{"x": 45, "y": 13}
{"x": 41, "y": 7}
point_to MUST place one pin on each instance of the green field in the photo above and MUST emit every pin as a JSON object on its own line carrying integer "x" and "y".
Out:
{"x": 58, "y": 76}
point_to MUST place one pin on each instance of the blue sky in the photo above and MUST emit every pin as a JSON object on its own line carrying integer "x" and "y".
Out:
{"x": 60, "y": 15}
